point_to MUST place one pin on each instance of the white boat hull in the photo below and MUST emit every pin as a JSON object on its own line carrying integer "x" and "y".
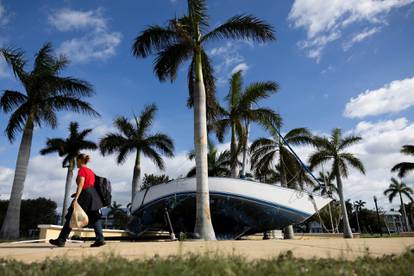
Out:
{"x": 238, "y": 207}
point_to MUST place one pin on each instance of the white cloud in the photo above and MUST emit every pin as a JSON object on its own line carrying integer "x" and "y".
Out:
{"x": 4, "y": 16}
{"x": 367, "y": 32}
{"x": 242, "y": 66}
{"x": 325, "y": 21}
{"x": 90, "y": 47}
{"x": 98, "y": 43}
{"x": 229, "y": 58}
{"x": 66, "y": 20}
{"x": 392, "y": 98}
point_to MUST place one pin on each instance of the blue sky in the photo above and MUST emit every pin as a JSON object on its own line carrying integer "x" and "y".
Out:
{"x": 347, "y": 65}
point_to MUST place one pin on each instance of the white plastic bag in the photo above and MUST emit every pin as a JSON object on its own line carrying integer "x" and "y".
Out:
{"x": 79, "y": 218}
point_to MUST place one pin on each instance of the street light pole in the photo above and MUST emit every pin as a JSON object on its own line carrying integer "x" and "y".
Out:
{"x": 378, "y": 216}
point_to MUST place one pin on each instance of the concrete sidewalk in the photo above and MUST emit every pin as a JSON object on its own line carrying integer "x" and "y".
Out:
{"x": 319, "y": 248}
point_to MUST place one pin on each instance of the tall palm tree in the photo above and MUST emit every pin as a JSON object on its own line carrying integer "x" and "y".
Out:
{"x": 69, "y": 148}
{"x": 358, "y": 205}
{"x": 46, "y": 92}
{"x": 333, "y": 149}
{"x": 241, "y": 108}
{"x": 405, "y": 167}
{"x": 265, "y": 151}
{"x": 401, "y": 189}
{"x": 327, "y": 187}
{"x": 184, "y": 39}
{"x": 218, "y": 163}
{"x": 135, "y": 137}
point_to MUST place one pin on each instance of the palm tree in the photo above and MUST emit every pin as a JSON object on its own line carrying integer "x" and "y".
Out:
{"x": 358, "y": 205}
{"x": 333, "y": 149}
{"x": 401, "y": 189}
{"x": 46, "y": 93}
{"x": 218, "y": 163}
{"x": 240, "y": 109}
{"x": 69, "y": 148}
{"x": 264, "y": 152}
{"x": 135, "y": 137}
{"x": 184, "y": 39}
{"x": 327, "y": 187}
{"x": 405, "y": 167}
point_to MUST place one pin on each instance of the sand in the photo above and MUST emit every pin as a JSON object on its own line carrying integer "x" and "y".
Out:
{"x": 251, "y": 249}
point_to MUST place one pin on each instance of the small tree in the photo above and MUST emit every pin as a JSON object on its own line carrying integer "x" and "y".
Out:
{"x": 358, "y": 205}
{"x": 135, "y": 137}
{"x": 400, "y": 188}
{"x": 333, "y": 149}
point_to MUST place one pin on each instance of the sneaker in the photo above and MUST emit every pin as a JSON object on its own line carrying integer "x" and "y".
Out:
{"x": 98, "y": 244}
{"x": 57, "y": 242}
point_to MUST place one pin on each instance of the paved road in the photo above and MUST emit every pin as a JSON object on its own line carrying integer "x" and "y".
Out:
{"x": 321, "y": 248}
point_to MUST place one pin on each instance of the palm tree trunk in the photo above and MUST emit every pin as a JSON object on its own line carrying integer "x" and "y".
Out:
{"x": 407, "y": 224}
{"x": 356, "y": 213}
{"x": 243, "y": 172}
{"x": 347, "y": 228}
{"x": 11, "y": 223}
{"x": 330, "y": 217}
{"x": 233, "y": 151}
{"x": 136, "y": 178}
{"x": 203, "y": 226}
{"x": 69, "y": 177}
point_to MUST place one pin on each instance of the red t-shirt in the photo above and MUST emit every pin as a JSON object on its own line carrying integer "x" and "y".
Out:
{"x": 88, "y": 175}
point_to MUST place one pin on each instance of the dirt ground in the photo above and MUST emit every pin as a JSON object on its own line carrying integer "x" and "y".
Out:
{"x": 251, "y": 249}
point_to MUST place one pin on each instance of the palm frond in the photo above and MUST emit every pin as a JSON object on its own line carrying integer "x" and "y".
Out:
{"x": 54, "y": 145}
{"x": 153, "y": 39}
{"x": 124, "y": 126}
{"x": 60, "y": 103}
{"x": 154, "y": 156}
{"x": 319, "y": 158}
{"x": 403, "y": 168}
{"x": 162, "y": 143}
{"x": 257, "y": 91}
{"x": 111, "y": 143}
{"x": 353, "y": 161}
{"x": 197, "y": 12}
{"x": 169, "y": 59}
{"x": 17, "y": 121}
{"x": 349, "y": 141}
{"x": 246, "y": 27}
{"x": 14, "y": 57}
{"x": 11, "y": 99}
{"x": 145, "y": 118}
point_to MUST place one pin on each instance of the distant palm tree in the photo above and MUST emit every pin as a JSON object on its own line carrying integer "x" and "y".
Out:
{"x": 46, "y": 93}
{"x": 69, "y": 148}
{"x": 218, "y": 163}
{"x": 358, "y": 205}
{"x": 265, "y": 151}
{"x": 327, "y": 187}
{"x": 405, "y": 167}
{"x": 241, "y": 108}
{"x": 135, "y": 137}
{"x": 401, "y": 189}
{"x": 184, "y": 39}
{"x": 332, "y": 149}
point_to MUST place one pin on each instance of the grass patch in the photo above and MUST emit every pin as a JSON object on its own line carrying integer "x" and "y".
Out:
{"x": 214, "y": 265}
